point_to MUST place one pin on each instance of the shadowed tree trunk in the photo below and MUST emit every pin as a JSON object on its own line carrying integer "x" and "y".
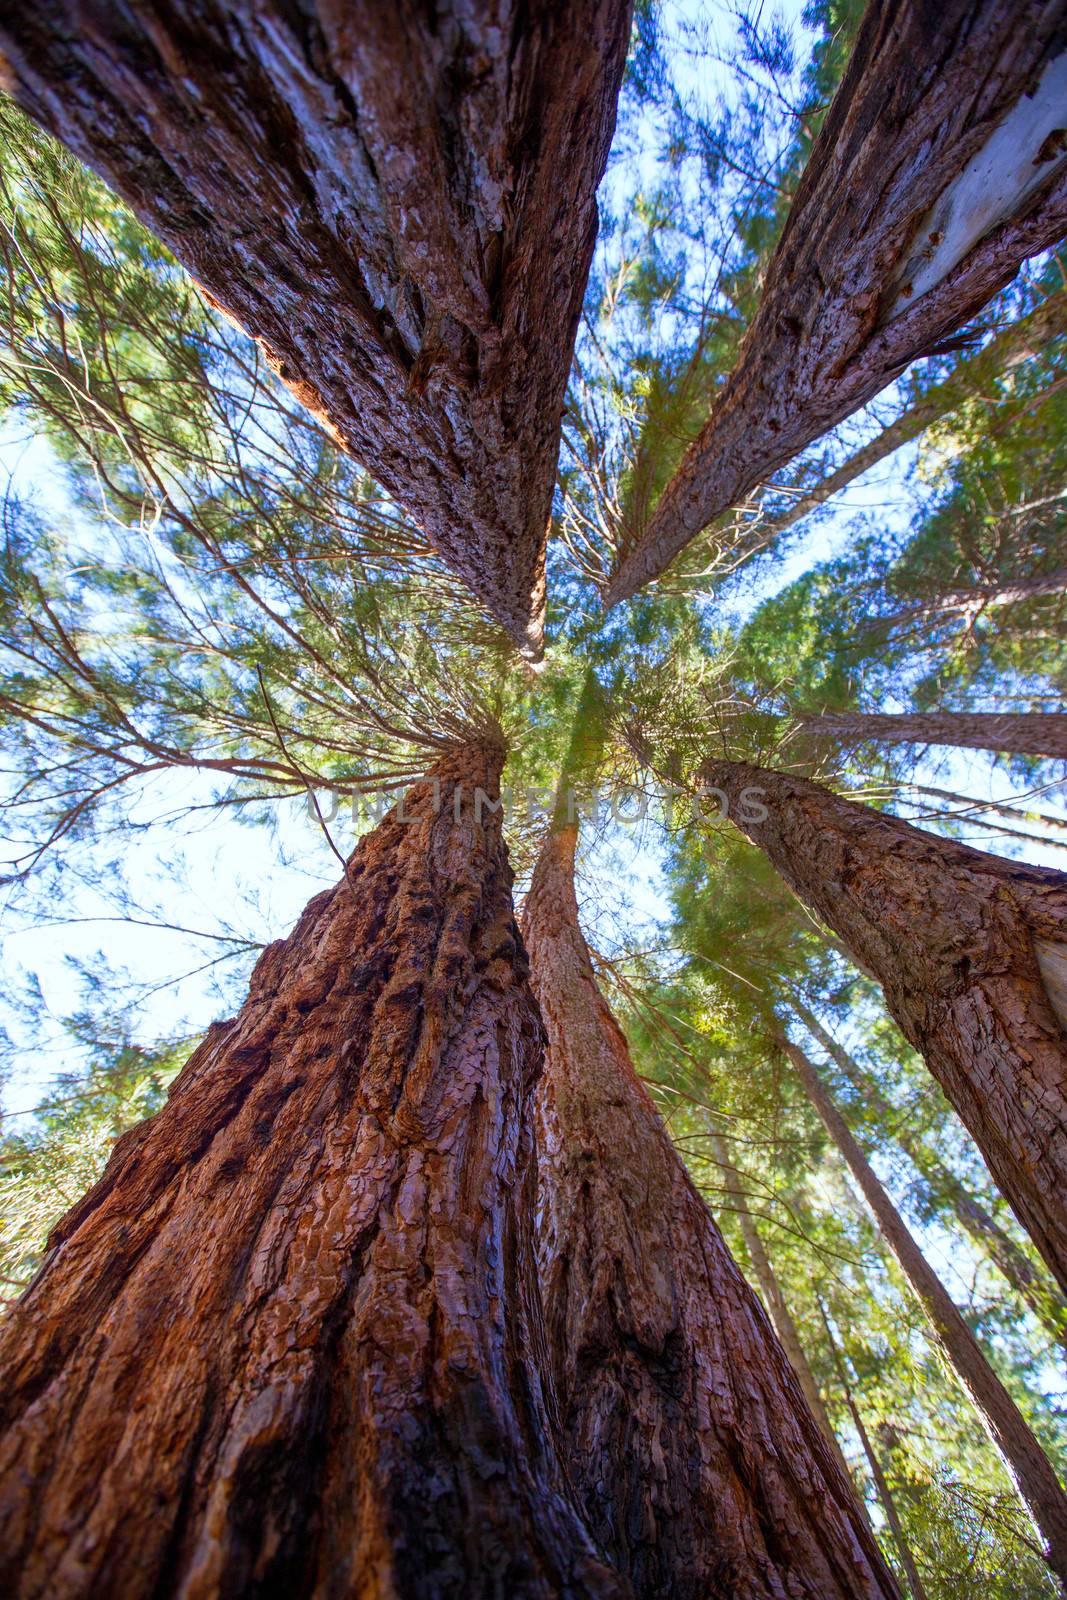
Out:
{"x": 773, "y": 1298}
{"x": 396, "y": 201}
{"x": 881, "y": 1482}
{"x": 704, "y": 1475}
{"x": 969, "y": 379}
{"x": 1023, "y": 733}
{"x": 1013, "y": 1263}
{"x": 938, "y": 171}
{"x": 291, "y": 1342}
{"x": 1025, "y": 1459}
{"x": 971, "y": 952}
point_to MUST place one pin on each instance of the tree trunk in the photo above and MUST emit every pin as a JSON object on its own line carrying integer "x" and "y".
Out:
{"x": 1023, "y": 733}
{"x": 291, "y": 1342}
{"x": 969, "y": 950}
{"x": 773, "y": 1298}
{"x": 704, "y": 1475}
{"x": 1013, "y": 1263}
{"x": 1009, "y": 1430}
{"x": 968, "y": 379}
{"x": 937, "y": 172}
{"x": 973, "y": 602}
{"x": 881, "y": 1482}
{"x": 398, "y": 202}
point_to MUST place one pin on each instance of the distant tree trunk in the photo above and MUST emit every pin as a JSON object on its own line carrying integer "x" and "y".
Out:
{"x": 773, "y": 1298}
{"x": 969, "y": 949}
{"x": 291, "y": 1342}
{"x": 969, "y": 378}
{"x": 704, "y": 1475}
{"x": 1024, "y": 733}
{"x": 1008, "y": 1428}
{"x": 937, "y": 172}
{"x": 881, "y": 1482}
{"x": 398, "y": 202}
{"x": 972, "y": 602}
{"x": 1013, "y": 1263}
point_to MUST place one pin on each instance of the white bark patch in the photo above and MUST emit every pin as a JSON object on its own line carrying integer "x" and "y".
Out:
{"x": 1052, "y": 963}
{"x": 1023, "y": 153}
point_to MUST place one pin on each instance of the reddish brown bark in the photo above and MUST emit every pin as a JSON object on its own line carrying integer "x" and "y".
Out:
{"x": 1024, "y": 733}
{"x": 704, "y": 1474}
{"x": 924, "y": 91}
{"x": 970, "y": 378}
{"x": 1023, "y": 1456}
{"x": 396, "y": 201}
{"x": 955, "y": 938}
{"x": 291, "y": 1342}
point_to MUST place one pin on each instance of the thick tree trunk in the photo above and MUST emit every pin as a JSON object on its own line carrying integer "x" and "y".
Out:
{"x": 396, "y": 201}
{"x": 1023, "y": 1455}
{"x": 705, "y": 1476}
{"x": 1023, "y": 733}
{"x": 1013, "y": 1263}
{"x": 773, "y": 1298}
{"x": 970, "y": 378}
{"x": 938, "y": 171}
{"x": 970, "y": 951}
{"x": 291, "y": 1343}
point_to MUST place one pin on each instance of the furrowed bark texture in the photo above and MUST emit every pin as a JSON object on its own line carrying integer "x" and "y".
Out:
{"x": 1026, "y": 1461}
{"x": 704, "y": 1475}
{"x": 969, "y": 379}
{"x": 960, "y": 942}
{"x": 396, "y": 201}
{"x": 1023, "y": 733}
{"x": 942, "y": 1185}
{"x": 887, "y": 189}
{"x": 773, "y": 1298}
{"x": 291, "y": 1342}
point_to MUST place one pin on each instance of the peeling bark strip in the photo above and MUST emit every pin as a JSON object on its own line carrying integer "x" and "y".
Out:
{"x": 396, "y": 201}
{"x": 704, "y": 1475}
{"x": 1023, "y": 1456}
{"x": 1023, "y": 733}
{"x": 950, "y": 934}
{"x": 917, "y": 113}
{"x": 291, "y": 1342}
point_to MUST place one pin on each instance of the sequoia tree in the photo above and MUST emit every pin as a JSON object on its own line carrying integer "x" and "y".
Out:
{"x": 702, "y": 1470}
{"x": 938, "y": 171}
{"x": 1022, "y": 733}
{"x": 970, "y": 952}
{"x": 1027, "y": 1462}
{"x": 292, "y": 1341}
{"x": 399, "y": 207}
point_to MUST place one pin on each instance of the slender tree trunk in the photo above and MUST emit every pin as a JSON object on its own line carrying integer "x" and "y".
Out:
{"x": 1023, "y": 1455}
{"x": 1025, "y": 733}
{"x": 969, "y": 949}
{"x": 1013, "y": 1263}
{"x": 291, "y": 1342}
{"x": 773, "y": 1298}
{"x": 398, "y": 202}
{"x": 705, "y": 1476}
{"x": 936, "y": 174}
{"x": 969, "y": 378}
{"x": 972, "y": 602}
{"x": 881, "y": 1482}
